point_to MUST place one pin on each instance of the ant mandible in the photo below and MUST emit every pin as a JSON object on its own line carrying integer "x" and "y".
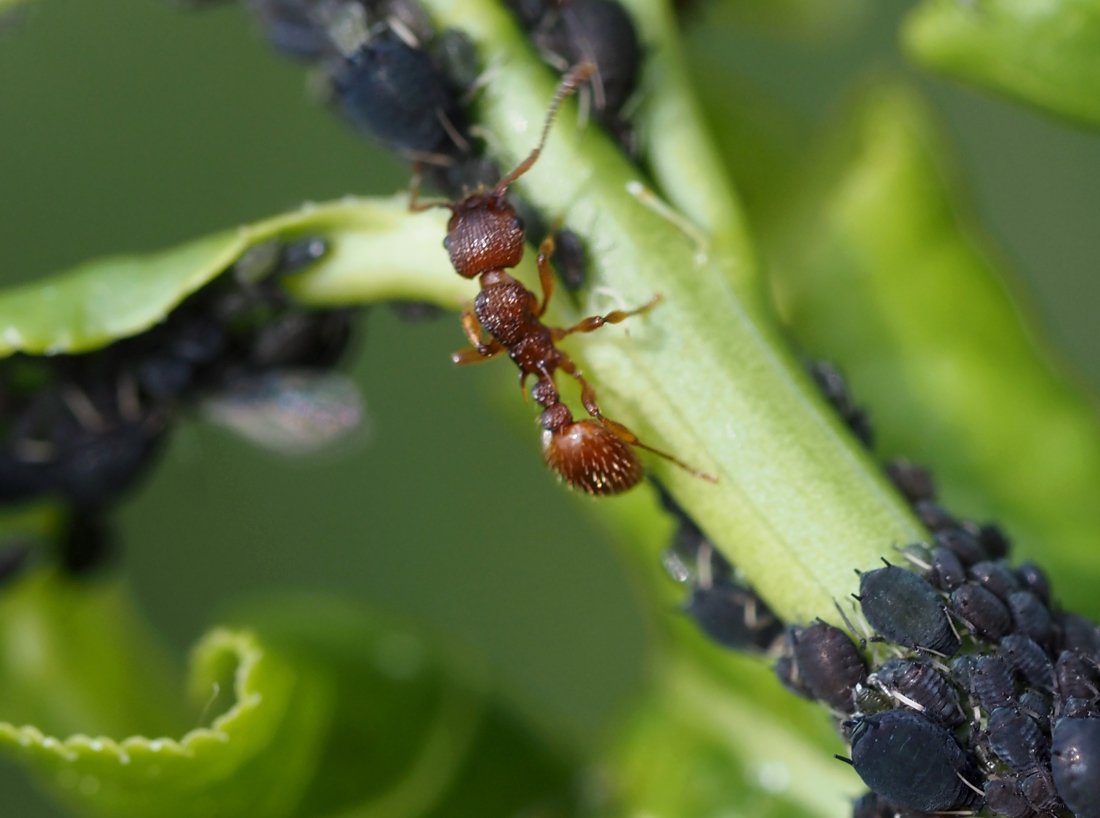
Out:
{"x": 484, "y": 239}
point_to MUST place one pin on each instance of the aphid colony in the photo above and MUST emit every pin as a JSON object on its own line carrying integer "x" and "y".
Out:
{"x": 979, "y": 694}
{"x": 84, "y": 428}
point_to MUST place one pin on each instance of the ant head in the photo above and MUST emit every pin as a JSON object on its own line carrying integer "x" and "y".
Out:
{"x": 587, "y": 455}
{"x": 484, "y": 233}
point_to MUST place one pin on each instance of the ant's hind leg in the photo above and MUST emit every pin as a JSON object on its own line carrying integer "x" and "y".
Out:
{"x": 594, "y": 322}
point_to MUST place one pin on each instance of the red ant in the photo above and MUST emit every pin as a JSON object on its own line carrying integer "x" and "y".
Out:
{"x": 485, "y": 238}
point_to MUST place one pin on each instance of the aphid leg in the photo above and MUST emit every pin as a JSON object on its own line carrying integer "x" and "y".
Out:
{"x": 415, "y": 205}
{"x": 546, "y": 274}
{"x": 594, "y": 322}
{"x": 624, "y": 434}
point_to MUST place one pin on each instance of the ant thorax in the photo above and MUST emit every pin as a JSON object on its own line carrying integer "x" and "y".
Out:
{"x": 484, "y": 233}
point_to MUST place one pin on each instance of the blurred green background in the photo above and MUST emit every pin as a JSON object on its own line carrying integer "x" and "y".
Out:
{"x": 132, "y": 125}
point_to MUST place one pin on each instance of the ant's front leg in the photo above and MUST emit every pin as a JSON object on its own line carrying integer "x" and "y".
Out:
{"x": 479, "y": 351}
{"x": 594, "y": 322}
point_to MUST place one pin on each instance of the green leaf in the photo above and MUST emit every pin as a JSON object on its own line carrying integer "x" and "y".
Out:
{"x": 882, "y": 271}
{"x": 416, "y": 729}
{"x": 83, "y": 708}
{"x": 1043, "y": 52}
{"x": 104, "y": 300}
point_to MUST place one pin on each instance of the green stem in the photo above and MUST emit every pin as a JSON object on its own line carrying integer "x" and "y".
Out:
{"x": 797, "y": 505}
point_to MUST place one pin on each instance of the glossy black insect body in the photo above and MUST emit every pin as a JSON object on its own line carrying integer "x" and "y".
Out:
{"x": 1033, "y": 579}
{"x": 982, "y": 612}
{"x": 733, "y": 616}
{"x": 1078, "y": 634}
{"x": 990, "y": 682}
{"x": 1028, "y": 659}
{"x": 947, "y": 572}
{"x": 600, "y": 32}
{"x": 962, "y": 542}
{"x": 835, "y": 389}
{"x": 995, "y": 576}
{"x": 1037, "y": 786}
{"x": 1078, "y": 676}
{"x": 934, "y": 516}
{"x": 911, "y": 761}
{"x": 827, "y": 664}
{"x": 920, "y": 686}
{"x": 914, "y": 481}
{"x": 905, "y": 609}
{"x": 1075, "y": 764}
{"x": 1002, "y": 797}
{"x": 399, "y": 95}
{"x": 1017, "y": 739}
{"x": 1031, "y": 617}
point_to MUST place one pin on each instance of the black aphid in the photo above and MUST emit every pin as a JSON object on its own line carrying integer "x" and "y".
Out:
{"x": 1078, "y": 677}
{"x": 835, "y": 389}
{"x": 1040, "y": 706}
{"x": 912, "y": 762}
{"x": 903, "y": 608}
{"x": 1031, "y": 617}
{"x": 981, "y": 611}
{"x": 570, "y": 259}
{"x": 990, "y": 682}
{"x": 1028, "y": 659}
{"x": 1078, "y": 634}
{"x": 826, "y": 664}
{"x": 1002, "y": 797}
{"x": 1017, "y": 739}
{"x": 1038, "y": 787}
{"x": 1075, "y": 764}
{"x": 963, "y": 543}
{"x": 400, "y": 96}
{"x": 995, "y": 576}
{"x": 993, "y": 541}
{"x": 947, "y": 572}
{"x": 915, "y": 482}
{"x": 920, "y": 686}
{"x": 1033, "y": 579}
{"x": 569, "y": 32}
{"x": 934, "y": 516}
{"x": 733, "y": 616}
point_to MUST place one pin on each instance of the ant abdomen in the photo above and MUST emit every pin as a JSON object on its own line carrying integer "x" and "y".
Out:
{"x": 587, "y": 454}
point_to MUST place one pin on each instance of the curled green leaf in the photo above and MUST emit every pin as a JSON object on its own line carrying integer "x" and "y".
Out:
{"x": 940, "y": 351}
{"x": 1043, "y": 53}
{"x": 108, "y": 299}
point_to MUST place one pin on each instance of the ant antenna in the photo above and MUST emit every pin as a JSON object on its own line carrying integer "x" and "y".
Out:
{"x": 568, "y": 85}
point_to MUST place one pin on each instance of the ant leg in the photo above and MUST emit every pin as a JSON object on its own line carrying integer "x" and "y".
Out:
{"x": 594, "y": 322}
{"x": 475, "y": 355}
{"x": 624, "y": 434}
{"x": 480, "y": 351}
{"x": 588, "y": 394}
{"x": 546, "y": 273}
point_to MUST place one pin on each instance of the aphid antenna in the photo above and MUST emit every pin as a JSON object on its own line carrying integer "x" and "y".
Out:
{"x": 851, "y": 627}
{"x": 845, "y": 759}
{"x": 975, "y": 788}
{"x": 651, "y": 201}
{"x": 905, "y": 555}
{"x": 951, "y": 623}
{"x": 82, "y": 408}
{"x": 567, "y": 86}
{"x": 901, "y": 697}
{"x": 703, "y": 565}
